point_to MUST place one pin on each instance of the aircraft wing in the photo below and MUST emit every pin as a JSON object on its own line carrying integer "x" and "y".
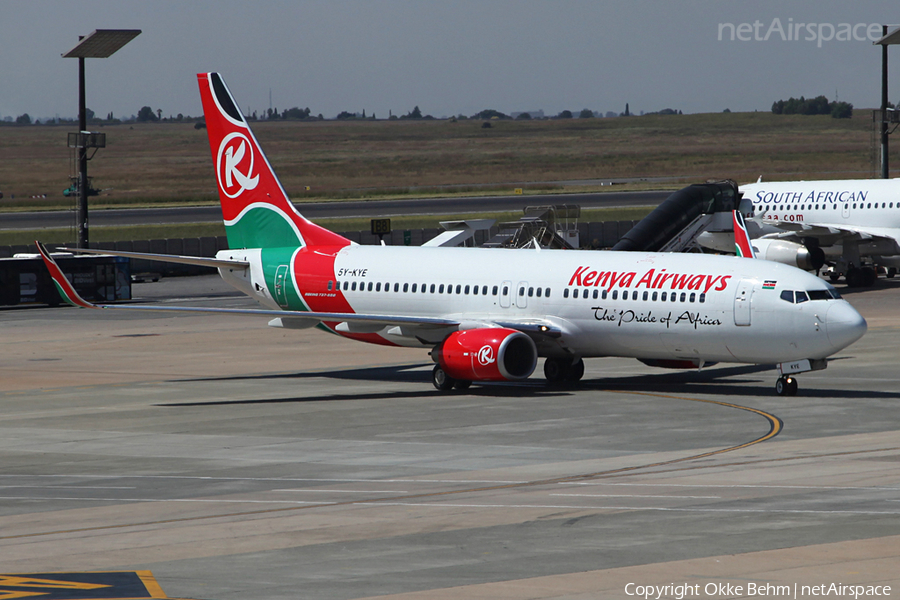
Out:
{"x": 172, "y": 258}
{"x": 831, "y": 234}
{"x": 408, "y": 326}
{"x": 68, "y": 293}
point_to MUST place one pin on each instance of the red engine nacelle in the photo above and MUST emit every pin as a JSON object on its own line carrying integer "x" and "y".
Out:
{"x": 494, "y": 354}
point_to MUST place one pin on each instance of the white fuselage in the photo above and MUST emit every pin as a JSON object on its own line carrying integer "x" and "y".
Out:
{"x": 866, "y": 206}
{"x": 643, "y": 305}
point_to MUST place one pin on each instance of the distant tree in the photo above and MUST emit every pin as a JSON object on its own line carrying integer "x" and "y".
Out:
{"x": 727, "y": 110}
{"x": 159, "y": 114}
{"x": 523, "y": 117}
{"x": 146, "y": 115}
{"x": 668, "y": 111}
{"x": 566, "y": 114}
{"x": 296, "y": 113}
{"x": 413, "y": 114}
{"x": 841, "y": 110}
{"x": 627, "y": 113}
{"x": 586, "y": 113}
{"x": 24, "y": 119}
{"x": 344, "y": 115}
{"x": 490, "y": 113}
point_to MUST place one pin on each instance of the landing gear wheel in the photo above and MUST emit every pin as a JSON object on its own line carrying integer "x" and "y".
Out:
{"x": 462, "y": 384}
{"x": 555, "y": 369}
{"x": 441, "y": 380}
{"x": 786, "y": 386}
{"x": 575, "y": 371}
{"x": 854, "y": 278}
{"x": 834, "y": 276}
{"x": 891, "y": 272}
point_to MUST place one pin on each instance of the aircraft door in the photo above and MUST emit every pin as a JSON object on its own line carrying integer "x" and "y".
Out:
{"x": 505, "y": 291}
{"x": 521, "y": 295}
{"x": 280, "y": 291}
{"x": 742, "y": 299}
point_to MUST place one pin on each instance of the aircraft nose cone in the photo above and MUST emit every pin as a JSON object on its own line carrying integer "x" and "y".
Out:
{"x": 843, "y": 324}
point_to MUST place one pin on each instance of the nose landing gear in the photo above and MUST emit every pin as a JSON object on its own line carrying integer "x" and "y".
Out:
{"x": 786, "y": 386}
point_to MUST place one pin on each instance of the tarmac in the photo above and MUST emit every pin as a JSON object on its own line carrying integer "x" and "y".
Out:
{"x": 235, "y": 461}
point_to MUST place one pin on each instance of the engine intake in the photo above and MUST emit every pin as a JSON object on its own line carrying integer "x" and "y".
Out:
{"x": 789, "y": 253}
{"x": 492, "y": 354}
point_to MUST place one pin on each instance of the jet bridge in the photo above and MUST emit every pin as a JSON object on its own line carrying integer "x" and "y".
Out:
{"x": 674, "y": 225}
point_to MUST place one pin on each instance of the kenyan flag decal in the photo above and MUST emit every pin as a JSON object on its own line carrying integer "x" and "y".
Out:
{"x": 769, "y": 284}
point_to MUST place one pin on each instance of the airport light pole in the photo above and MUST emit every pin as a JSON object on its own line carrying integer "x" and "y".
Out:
{"x": 101, "y": 43}
{"x": 885, "y": 41}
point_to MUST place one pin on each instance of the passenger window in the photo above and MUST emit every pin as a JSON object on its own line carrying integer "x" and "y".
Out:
{"x": 458, "y": 288}
{"x": 644, "y": 297}
{"x": 329, "y": 284}
{"x": 396, "y": 287}
{"x": 787, "y": 296}
{"x": 801, "y": 297}
{"x": 441, "y": 289}
{"x": 683, "y": 295}
{"x": 596, "y": 293}
{"x": 654, "y": 296}
{"x": 505, "y": 290}
{"x": 546, "y": 292}
{"x": 566, "y": 293}
{"x": 424, "y": 285}
{"x": 539, "y": 290}
{"x": 378, "y": 287}
{"x": 370, "y": 286}
{"x": 405, "y": 287}
{"x": 530, "y": 292}
{"x": 346, "y": 285}
{"x": 693, "y": 297}
{"x": 494, "y": 291}
{"x": 634, "y": 295}
{"x": 414, "y": 288}
{"x": 353, "y": 287}
{"x": 702, "y": 298}
{"x": 467, "y": 290}
{"x": 615, "y": 293}
{"x": 603, "y": 295}
{"x": 475, "y": 290}
{"x": 663, "y": 297}
{"x": 484, "y": 290}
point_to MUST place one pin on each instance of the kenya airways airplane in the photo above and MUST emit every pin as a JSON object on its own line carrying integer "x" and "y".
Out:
{"x": 849, "y": 220}
{"x": 489, "y": 314}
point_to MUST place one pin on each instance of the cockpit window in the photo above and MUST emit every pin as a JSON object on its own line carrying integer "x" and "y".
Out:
{"x": 800, "y": 296}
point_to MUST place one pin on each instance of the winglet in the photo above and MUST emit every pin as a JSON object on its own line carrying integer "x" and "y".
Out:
{"x": 63, "y": 286}
{"x": 742, "y": 245}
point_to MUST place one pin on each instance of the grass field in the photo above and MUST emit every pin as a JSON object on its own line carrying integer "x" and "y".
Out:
{"x": 170, "y": 162}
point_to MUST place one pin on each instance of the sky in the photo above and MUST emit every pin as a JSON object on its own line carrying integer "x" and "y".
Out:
{"x": 448, "y": 58}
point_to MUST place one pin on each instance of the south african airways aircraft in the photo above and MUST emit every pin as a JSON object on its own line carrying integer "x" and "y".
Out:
{"x": 489, "y": 314}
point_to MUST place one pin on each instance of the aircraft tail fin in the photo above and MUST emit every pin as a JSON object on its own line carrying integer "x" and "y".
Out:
{"x": 255, "y": 207}
{"x": 742, "y": 245}
{"x": 63, "y": 286}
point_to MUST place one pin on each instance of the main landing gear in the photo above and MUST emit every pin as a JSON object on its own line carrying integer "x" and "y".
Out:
{"x": 445, "y": 383}
{"x": 563, "y": 369}
{"x": 786, "y": 386}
